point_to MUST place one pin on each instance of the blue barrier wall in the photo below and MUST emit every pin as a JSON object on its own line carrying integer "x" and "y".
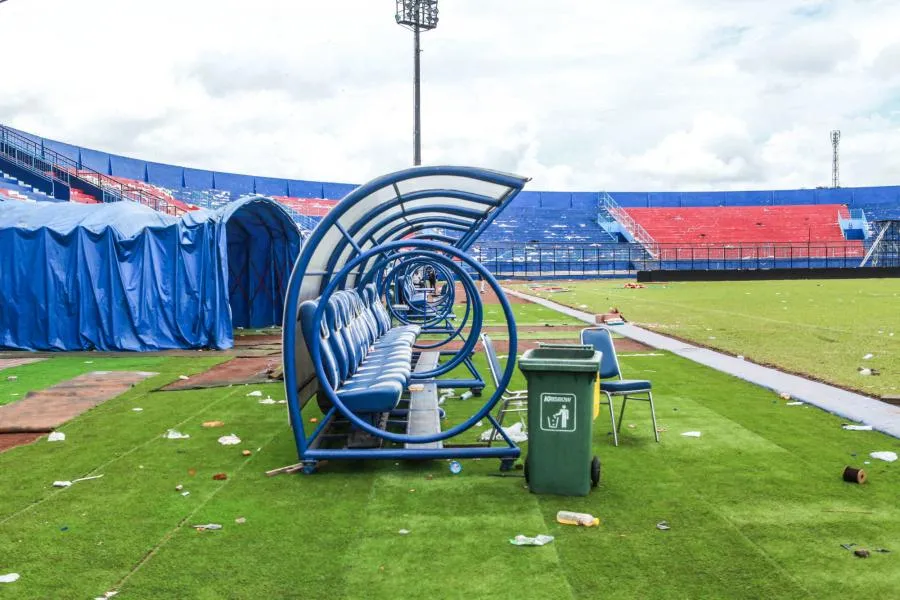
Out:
{"x": 878, "y": 199}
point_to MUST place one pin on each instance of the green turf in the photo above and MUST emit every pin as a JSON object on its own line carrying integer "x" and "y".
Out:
{"x": 43, "y": 374}
{"x": 822, "y": 328}
{"x": 749, "y": 504}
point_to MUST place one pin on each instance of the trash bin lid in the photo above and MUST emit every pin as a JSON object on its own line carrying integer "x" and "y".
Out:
{"x": 559, "y": 357}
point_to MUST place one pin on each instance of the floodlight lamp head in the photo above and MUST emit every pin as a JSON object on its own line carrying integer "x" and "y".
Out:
{"x": 423, "y": 13}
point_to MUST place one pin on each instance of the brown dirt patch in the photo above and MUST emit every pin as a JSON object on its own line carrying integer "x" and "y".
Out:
{"x": 47, "y": 409}
{"x": 237, "y": 371}
{"x": 11, "y": 440}
{"x": 9, "y": 363}
{"x": 488, "y": 297}
{"x": 241, "y": 341}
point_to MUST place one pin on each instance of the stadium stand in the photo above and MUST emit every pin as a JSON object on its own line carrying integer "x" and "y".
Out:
{"x": 759, "y": 227}
{"x": 750, "y": 224}
{"x": 13, "y": 189}
{"x": 567, "y": 222}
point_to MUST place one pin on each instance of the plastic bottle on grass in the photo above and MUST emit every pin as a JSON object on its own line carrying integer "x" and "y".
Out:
{"x": 573, "y": 518}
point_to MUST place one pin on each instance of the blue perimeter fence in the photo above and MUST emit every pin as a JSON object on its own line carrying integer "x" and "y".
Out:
{"x": 521, "y": 260}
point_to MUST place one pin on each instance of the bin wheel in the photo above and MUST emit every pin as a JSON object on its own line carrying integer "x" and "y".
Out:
{"x": 595, "y": 472}
{"x": 526, "y": 470}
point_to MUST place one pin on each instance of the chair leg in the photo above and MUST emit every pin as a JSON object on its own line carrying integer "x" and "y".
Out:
{"x": 653, "y": 416}
{"x": 622, "y": 412}
{"x": 612, "y": 418}
{"x": 500, "y": 415}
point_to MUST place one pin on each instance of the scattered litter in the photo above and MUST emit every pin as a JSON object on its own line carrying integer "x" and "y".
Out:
{"x": 856, "y": 427}
{"x": 466, "y": 395}
{"x": 179, "y": 487}
{"x": 455, "y": 467}
{"x": 88, "y": 362}
{"x": 861, "y": 553}
{"x": 867, "y": 462}
{"x": 885, "y": 456}
{"x": 566, "y": 517}
{"x": 524, "y": 540}
{"x": 106, "y": 595}
{"x": 213, "y": 423}
{"x": 246, "y": 453}
{"x": 281, "y": 401}
{"x": 865, "y": 371}
{"x": 794, "y": 404}
{"x": 633, "y": 286}
{"x": 883, "y": 550}
{"x": 229, "y": 440}
{"x": 785, "y": 396}
{"x": 313, "y": 420}
{"x": 64, "y": 484}
{"x": 403, "y": 532}
{"x": 712, "y": 337}
{"x": 220, "y": 476}
{"x": 176, "y": 435}
{"x": 868, "y": 356}
{"x": 12, "y": 378}
{"x": 479, "y": 424}
{"x": 740, "y": 357}
{"x": 208, "y": 526}
{"x": 267, "y": 401}
{"x": 516, "y": 432}
{"x": 631, "y": 426}
{"x": 853, "y": 475}
{"x": 663, "y": 526}
{"x": 183, "y": 377}
{"x": 185, "y": 493}
{"x": 691, "y": 434}
{"x": 255, "y": 394}
{"x": 137, "y": 409}
{"x": 848, "y": 546}
{"x": 240, "y": 520}
{"x": 9, "y": 578}
{"x": 416, "y": 387}
{"x": 56, "y": 436}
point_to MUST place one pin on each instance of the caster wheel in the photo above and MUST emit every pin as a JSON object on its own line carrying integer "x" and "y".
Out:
{"x": 310, "y": 469}
{"x": 595, "y": 472}
{"x": 477, "y": 392}
{"x": 506, "y": 464}
{"x": 526, "y": 470}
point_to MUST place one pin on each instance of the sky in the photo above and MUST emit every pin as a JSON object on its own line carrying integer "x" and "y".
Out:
{"x": 599, "y": 95}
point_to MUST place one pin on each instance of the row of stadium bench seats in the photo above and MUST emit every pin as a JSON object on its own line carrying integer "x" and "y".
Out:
{"x": 763, "y": 224}
{"x": 366, "y": 360}
{"x": 546, "y": 225}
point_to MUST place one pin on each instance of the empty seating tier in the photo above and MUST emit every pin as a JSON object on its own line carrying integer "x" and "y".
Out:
{"x": 753, "y": 226}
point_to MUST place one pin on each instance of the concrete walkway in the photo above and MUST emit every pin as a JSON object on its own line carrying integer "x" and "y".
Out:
{"x": 849, "y": 405}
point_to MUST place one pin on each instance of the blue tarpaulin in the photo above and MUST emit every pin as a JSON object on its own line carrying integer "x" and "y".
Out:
{"x": 122, "y": 276}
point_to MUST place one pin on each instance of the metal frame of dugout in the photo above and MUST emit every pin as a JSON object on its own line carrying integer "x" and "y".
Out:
{"x": 353, "y": 318}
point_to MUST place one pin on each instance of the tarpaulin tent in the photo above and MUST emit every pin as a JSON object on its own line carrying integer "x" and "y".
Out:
{"x": 122, "y": 276}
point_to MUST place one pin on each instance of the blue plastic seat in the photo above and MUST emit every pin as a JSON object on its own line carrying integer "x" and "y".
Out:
{"x": 367, "y": 362}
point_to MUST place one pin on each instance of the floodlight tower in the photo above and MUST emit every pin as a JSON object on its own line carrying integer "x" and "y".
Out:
{"x": 417, "y": 15}
{"x": 835, "y": 159}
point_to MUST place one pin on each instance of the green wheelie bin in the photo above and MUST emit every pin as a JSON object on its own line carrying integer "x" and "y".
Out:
{"x": 561, "y": 381}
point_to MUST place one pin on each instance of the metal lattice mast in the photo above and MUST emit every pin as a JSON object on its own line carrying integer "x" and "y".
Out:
{"x": 835, "y": 159}
{"x": 418, "y": 16}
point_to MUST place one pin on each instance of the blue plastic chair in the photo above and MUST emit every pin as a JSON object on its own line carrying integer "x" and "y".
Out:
{"x": 630, "y": 389}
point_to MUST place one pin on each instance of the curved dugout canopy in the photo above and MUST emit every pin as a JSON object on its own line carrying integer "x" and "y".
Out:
{"x": 450, "y": 205}
{"x": 122, "y": 276}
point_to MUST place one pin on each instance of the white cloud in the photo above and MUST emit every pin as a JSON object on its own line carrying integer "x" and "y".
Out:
{"x": 658, "y": 94}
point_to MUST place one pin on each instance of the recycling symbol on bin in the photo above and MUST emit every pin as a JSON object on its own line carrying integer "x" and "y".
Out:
{"x": 558, "y": 412}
